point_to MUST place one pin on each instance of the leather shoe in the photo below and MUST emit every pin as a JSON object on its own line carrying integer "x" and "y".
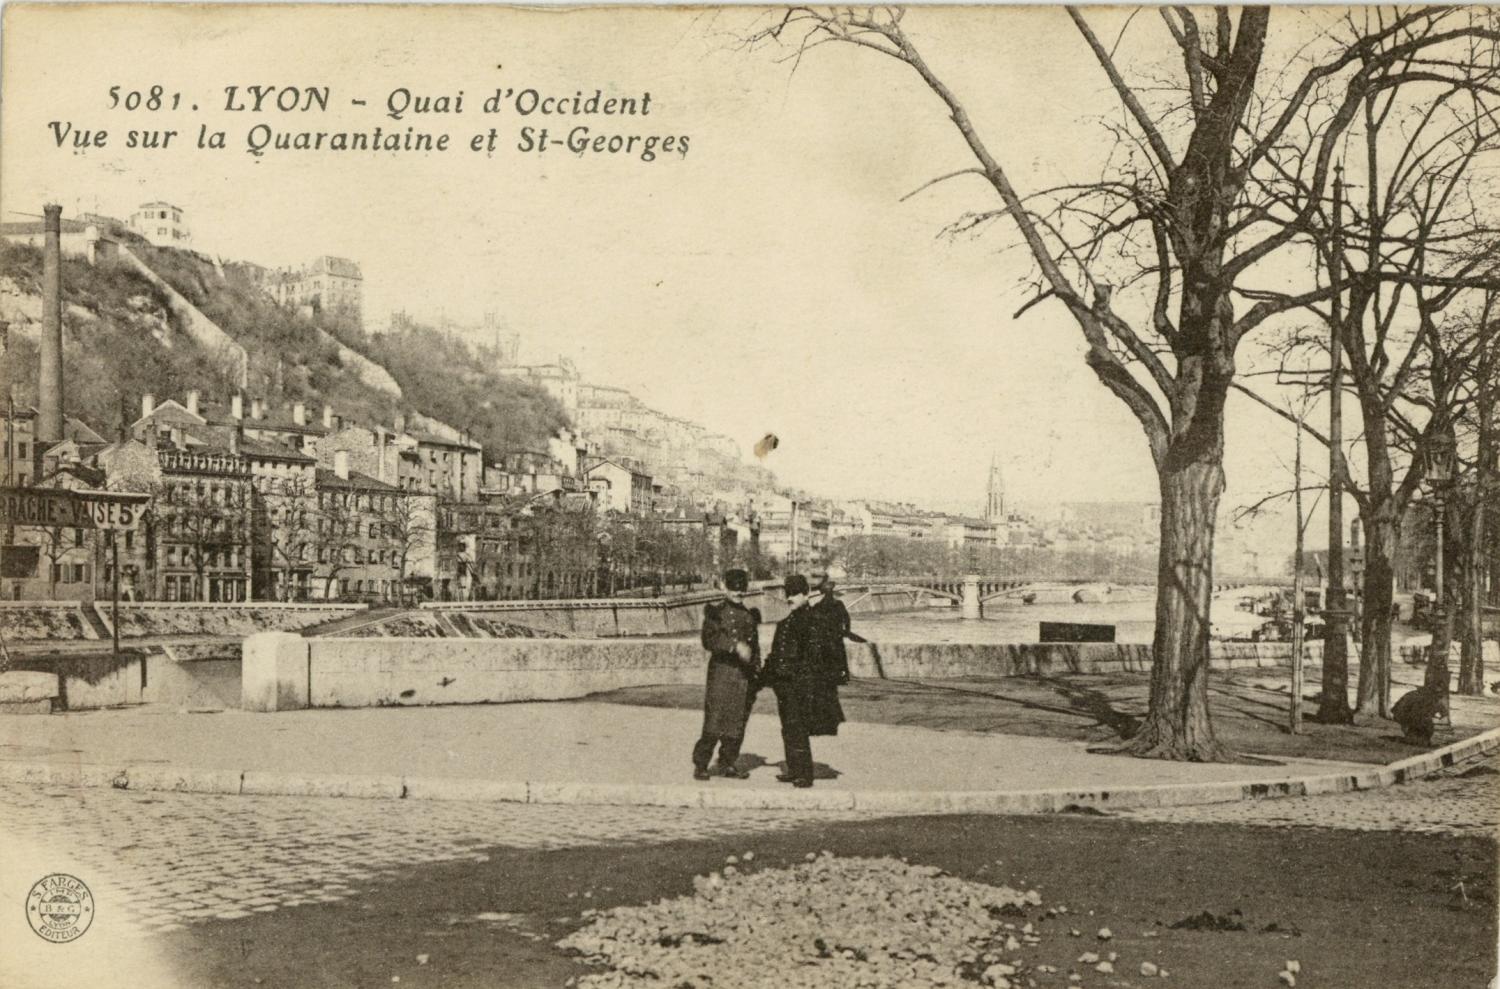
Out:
{"x": 785, "y": 778}
{"x": 733, "y": 772}
{"x": 701, "y": 774}
{"x": 802, "y": 784}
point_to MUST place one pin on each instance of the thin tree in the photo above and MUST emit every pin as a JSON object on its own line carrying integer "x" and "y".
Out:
{"x": 285, "y": 521}
{"x": 1409, "y": 240}
{"x": 335, "y": 524}
{"x": 1181, "y": 225}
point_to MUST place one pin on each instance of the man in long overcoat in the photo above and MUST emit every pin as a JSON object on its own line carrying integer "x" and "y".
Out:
{"x": 731, "y": 634}
{"x": 833, "y": 625}
{"x": 805, "y": 681}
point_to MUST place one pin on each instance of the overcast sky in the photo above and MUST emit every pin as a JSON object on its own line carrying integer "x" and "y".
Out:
{"x": 770, "y": 280}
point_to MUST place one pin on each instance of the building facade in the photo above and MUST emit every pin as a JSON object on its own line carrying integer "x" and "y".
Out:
{"x": 162, "y": 224}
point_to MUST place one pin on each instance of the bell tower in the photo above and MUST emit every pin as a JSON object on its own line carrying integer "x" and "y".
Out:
{"x": 994, "y": 505}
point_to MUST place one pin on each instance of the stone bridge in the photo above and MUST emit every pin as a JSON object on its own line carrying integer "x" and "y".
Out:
{"x": 973, "y": 591}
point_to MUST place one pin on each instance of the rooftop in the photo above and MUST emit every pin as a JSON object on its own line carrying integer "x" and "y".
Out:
{"x": 355, "y": 481}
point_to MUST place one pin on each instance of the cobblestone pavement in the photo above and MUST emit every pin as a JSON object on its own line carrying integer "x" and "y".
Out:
{"x": 162, "y": 861}
{"x": 1461, "y": 800}
{"x": 165, "y": 860}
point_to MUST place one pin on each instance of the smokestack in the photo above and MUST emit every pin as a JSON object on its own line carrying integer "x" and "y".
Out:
{"x": 148, "y": 405}
{"x": 1354, "y": 528}
{"x": 257, "y": 408}
{"x": 327, "y": 416}
{"x": 299, "y": 413}
{"x": 49, "y": 425}
{"x": 380, "y": 453}
{"x": 237, "y": 407}
{"x": 192, "y": 401}
{"x": 341, "y": 464}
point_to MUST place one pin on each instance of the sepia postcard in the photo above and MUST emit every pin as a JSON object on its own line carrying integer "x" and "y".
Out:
{"x": 987, "y": 496}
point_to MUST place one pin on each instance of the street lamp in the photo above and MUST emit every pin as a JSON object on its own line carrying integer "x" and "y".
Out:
{"x": 1438, "y": 467}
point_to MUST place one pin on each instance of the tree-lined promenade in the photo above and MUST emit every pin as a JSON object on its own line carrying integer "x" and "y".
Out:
{"x": 1222, "y": 213}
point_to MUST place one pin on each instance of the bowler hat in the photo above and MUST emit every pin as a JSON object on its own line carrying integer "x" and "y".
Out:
{"x": 736, "y": 580}
{"x": 796, "y": 584}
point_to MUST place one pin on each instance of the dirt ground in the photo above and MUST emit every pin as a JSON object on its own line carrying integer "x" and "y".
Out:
{"x": 1354, "y": 908}
{"x": 1249, "y": 716}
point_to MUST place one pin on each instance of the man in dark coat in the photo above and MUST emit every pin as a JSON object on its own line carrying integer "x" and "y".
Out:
{"x": 833, "y": 625}
{"x": 731, "y": 634}
{"x": 806, "y": 684}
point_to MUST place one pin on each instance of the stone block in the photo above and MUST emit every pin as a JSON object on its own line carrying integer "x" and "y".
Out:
{"x": 21, "y": 686}
{"x": 612, "y": 794}
{"x": 42, "y": 705}
{"x": 302, "y": 785}
{"x": 439, "y": 788}
{"x": 183, "y": 780}
{"x": 274, "y": 673}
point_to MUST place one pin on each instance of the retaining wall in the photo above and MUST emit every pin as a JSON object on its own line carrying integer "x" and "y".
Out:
{"x": 282, "y": 671}
{"x": 615, "y": 617}
{"x": 218, "y": 618}
{"x": 23, "y": 620}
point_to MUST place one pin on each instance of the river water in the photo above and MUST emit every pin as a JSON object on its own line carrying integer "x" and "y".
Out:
{"x": 1134, "y": 621}
{"x": 1132, "y": 611}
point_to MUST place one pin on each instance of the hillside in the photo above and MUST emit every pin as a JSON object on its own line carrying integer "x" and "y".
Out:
{"x": 122, "y": 339}
{"x": 119, "y": 339}
{"x": 500, "y": 412}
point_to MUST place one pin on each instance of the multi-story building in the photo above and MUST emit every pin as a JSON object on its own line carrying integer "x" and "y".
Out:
{"x": 794, "y": 531}
{"x": 200, "y": 523}
{"x": 22, "y": 460}
{"x": 621, "y": 487}
{"x": 283, "y": 520}
{"x": 373, "y": 541}
{"x": 68, "y": 559}
{"x": 559, "y": 380}
{"x": 446, "y": 468}
{"x": 163, "y": 224}
{"x": 324, "y": 283}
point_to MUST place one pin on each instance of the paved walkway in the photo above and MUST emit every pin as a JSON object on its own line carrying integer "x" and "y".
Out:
{"x": 157, "y": 862}
{"x": 588, "y": 743}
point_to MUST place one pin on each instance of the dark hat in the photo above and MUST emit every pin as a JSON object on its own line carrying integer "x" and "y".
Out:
{"x": 736, "y": 580}
{"x": 796, "y": 584}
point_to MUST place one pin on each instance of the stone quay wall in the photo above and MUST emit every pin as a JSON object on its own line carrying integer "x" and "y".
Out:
{"x": 282, "y": 671}
{"x": 621, "y": 617}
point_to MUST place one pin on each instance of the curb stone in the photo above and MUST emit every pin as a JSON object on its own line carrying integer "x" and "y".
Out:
{"x": 250, "y": 782}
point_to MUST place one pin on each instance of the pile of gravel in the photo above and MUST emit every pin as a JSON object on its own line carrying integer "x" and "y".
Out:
{"x": 828, "y": 923}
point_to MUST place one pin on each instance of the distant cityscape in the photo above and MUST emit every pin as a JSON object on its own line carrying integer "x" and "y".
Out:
{"x": 252, "y": 501}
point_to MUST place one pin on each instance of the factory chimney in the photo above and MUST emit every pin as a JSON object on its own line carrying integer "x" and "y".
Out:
{"x": 49, "y": 426}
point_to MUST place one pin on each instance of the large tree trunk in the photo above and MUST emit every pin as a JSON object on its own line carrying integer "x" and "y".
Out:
{"x": 1381, "y": 542}
{"x": 1178, "y": 725}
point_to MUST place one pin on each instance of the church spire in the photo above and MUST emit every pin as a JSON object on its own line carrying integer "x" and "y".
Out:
{"x": 994, "y": 507}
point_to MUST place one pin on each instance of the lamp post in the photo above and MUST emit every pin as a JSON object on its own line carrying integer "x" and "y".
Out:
{"x": 1439, "y": 471}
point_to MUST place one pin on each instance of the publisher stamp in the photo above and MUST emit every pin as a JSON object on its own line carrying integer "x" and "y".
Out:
{"x": 60, "y": 908}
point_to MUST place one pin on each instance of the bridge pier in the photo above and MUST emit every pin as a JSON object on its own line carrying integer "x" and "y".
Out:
{"x": 970, "y": 600}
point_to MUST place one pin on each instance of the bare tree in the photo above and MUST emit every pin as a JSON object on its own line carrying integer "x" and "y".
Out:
{"x": 335, "y": 526}
{"x": 211, "y": 522}
{"x": 1409, "y": 241}
{"x": 1154, "y": 260}
{"x": 285, "y": 523}
{"x": 408, "y": 526}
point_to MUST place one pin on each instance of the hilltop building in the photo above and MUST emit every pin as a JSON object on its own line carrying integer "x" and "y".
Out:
{"x": 162, "y": 224}
{"x": 324, "y": 284}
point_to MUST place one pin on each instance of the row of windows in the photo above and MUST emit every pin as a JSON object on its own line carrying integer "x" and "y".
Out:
{"x": 219, "y": 589}
{"x": 70, "y": 573}
{"x": 354, "y": 555}
{"x": 213, "y": 557}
